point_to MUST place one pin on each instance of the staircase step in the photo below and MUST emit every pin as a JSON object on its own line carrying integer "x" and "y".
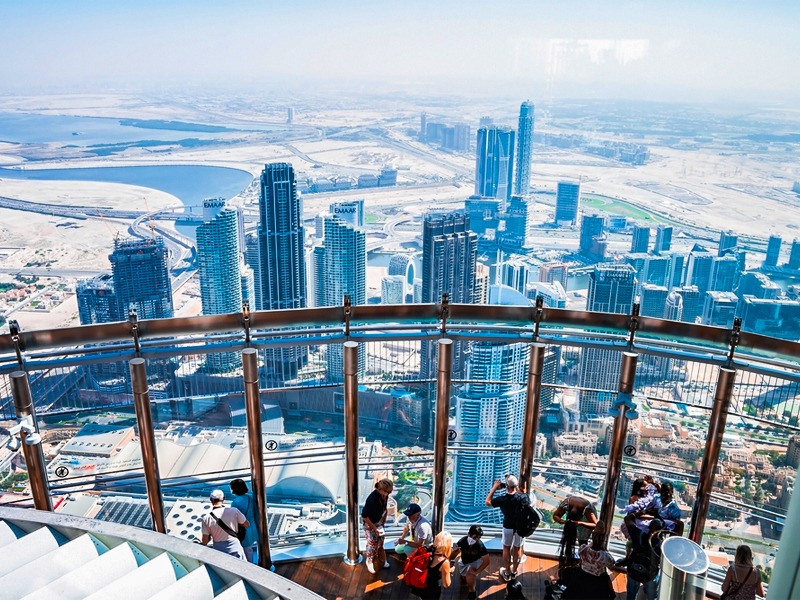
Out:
{"x": 9, "y": 533}
{"x": 200, "y": 584}
{"x": 238, "y": 590}
{"x": 146, "y": 581}
{"x": 93, "y": 575}
{"x": 45, "y": 569}
{"x": 28, "y": 548}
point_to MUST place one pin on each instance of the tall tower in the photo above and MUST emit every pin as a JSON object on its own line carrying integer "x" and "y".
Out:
{"x": 568, "y": 199}
{"x": 773, "y": 251}
{"x": 524, "y": 149}
{"x": 494, "y": 165}
{"x": 640, "y": 238}
{"x": 611, "y": 289}
{"x": 727, "y": 240}
{"x": 342, "y": 262}
{"x": 220, "y": 277}
{"x": 794, "y": 255}
{"x": 653, "y": 300}
{"x": 663, "y": 239}
{"x": 449, "y": 261}
{"x": 97, "y": 301}
{"x": 491, "y": 413}
{"x": 282, "y": 261}
{"x": 592, "y": 226}
{"x": 141, "y": 277}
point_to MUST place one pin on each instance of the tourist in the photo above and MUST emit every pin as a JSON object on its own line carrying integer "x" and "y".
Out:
{"x": 742, "y": 581}
{"x": 509, "y": 504}
{"x": 474, "y": 558}
{"x": 416, "y": 532}
{"x": 221, "y": 524}
{"x": 373, "y": 517}
{"x": 245, "y": 504}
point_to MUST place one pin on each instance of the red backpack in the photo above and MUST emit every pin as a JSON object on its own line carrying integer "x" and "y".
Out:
{"x": 415, "y": 571}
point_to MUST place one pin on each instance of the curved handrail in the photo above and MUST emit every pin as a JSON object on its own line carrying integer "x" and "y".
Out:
{"x": 718, "y": 337}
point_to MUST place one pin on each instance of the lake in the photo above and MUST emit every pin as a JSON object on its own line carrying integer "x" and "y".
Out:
{"x": 190, "y": 184}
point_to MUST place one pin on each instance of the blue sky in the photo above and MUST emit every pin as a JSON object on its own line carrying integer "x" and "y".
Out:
{"x": 658, "y": 50}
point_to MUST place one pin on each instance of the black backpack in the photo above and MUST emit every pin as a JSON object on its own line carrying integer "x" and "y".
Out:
{"x": 527, "y": 518}
{"x": 644, "y": 562}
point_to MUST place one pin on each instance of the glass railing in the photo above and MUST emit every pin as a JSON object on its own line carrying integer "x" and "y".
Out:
{"x": 83, "y": 395}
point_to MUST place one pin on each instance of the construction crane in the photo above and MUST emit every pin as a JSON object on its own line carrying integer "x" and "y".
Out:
{"x": 150, "y": 221}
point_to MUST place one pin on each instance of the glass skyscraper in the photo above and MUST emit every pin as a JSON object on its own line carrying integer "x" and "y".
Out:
{"x": 282, "y": 265}
{"x": 141, "y": 277}
{"x": 494, "y": 165}
{"x": 524, "y": 149}
{"x": 218, "y": 266}
{"x": 568, "y": 197}
{"x": 341, "y": 264}
{"x": 449, "y": 261}
{"x": 612, "y": 287}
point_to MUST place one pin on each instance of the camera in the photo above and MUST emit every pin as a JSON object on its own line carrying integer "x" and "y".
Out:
{"x": 502, "y": 486}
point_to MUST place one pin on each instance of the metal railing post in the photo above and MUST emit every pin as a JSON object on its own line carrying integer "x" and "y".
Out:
{"x": 31, "y": 441}
{"x": 532, "y": 408}
{"x": 147, "y": 441}
{"x": 716, "y": 428}
{"x": 252, "y": 403}
{"x": 623, "y": 410}
{"x": 351, "y": 449}
{"x": 445, "y": 365}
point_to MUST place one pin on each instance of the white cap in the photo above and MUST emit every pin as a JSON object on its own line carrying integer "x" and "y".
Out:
{"x": 217, "y": 496}
{"x": 511, "y": 482}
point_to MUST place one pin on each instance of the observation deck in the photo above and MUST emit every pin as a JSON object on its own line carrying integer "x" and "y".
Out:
{"x": 135, "y": 422}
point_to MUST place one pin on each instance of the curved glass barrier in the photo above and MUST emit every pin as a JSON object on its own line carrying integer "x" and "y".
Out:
{"x": 83, "y": 396}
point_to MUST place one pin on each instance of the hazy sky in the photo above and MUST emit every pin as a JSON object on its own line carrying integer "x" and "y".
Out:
{"x": 670, "y": 49}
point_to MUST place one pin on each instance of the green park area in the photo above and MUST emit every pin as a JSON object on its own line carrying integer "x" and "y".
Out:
{"x": 618, "y": 207}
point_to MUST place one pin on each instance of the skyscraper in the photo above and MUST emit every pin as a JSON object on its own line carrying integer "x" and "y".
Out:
{"x": 516, "y": 231}
{"x": 449, "y": 260}
{"x": 773, "y": 251}
{"x": 640, "y": 239}
{"x": 568, "y": 199}
{"x": 691, "y": 304}
{"x": 719, "y": 308}
{"x": 491, "y": 414}
{"x": 350, "y": 212}
{"x": 652, "y": 301}
{"x": 97, "y": 301}
{"x": 724, "y": 274}
{"x": 141, "y": 277}
{"x": 282, "y": 261}
{"x": 524, "y": 149}
{"x": 342, "y": 263}
{"x": 611, "y": 289}
{"x": 663, "y": 239}
{"x": 727, "y": 240}
{"x": 699, "y": 270}
{"x": 592, "y": 227}
{"x": 252, "y": 256}
{"x": 218, "y": 266}
{"x": 794, "y": 255}
{"x": 494, "y": 164}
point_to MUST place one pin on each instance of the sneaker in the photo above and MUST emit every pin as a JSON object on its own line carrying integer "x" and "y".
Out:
{"x": 504, "y": 574}
{"x": 386, "y": 565}
{"x": 370, "y": 566}
{"x": 472, "y": 596}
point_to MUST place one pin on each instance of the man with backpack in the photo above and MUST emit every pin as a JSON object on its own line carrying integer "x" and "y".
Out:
{"x": 644, "y": 563}
{"x": 510, "y": 504}
{"x": 416, "y": 532}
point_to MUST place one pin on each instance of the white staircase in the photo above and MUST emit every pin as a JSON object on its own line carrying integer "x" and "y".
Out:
{"x": 47, "y": 556}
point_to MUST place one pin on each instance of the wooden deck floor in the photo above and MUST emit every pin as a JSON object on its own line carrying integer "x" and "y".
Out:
{"x": 333, "y": 580}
